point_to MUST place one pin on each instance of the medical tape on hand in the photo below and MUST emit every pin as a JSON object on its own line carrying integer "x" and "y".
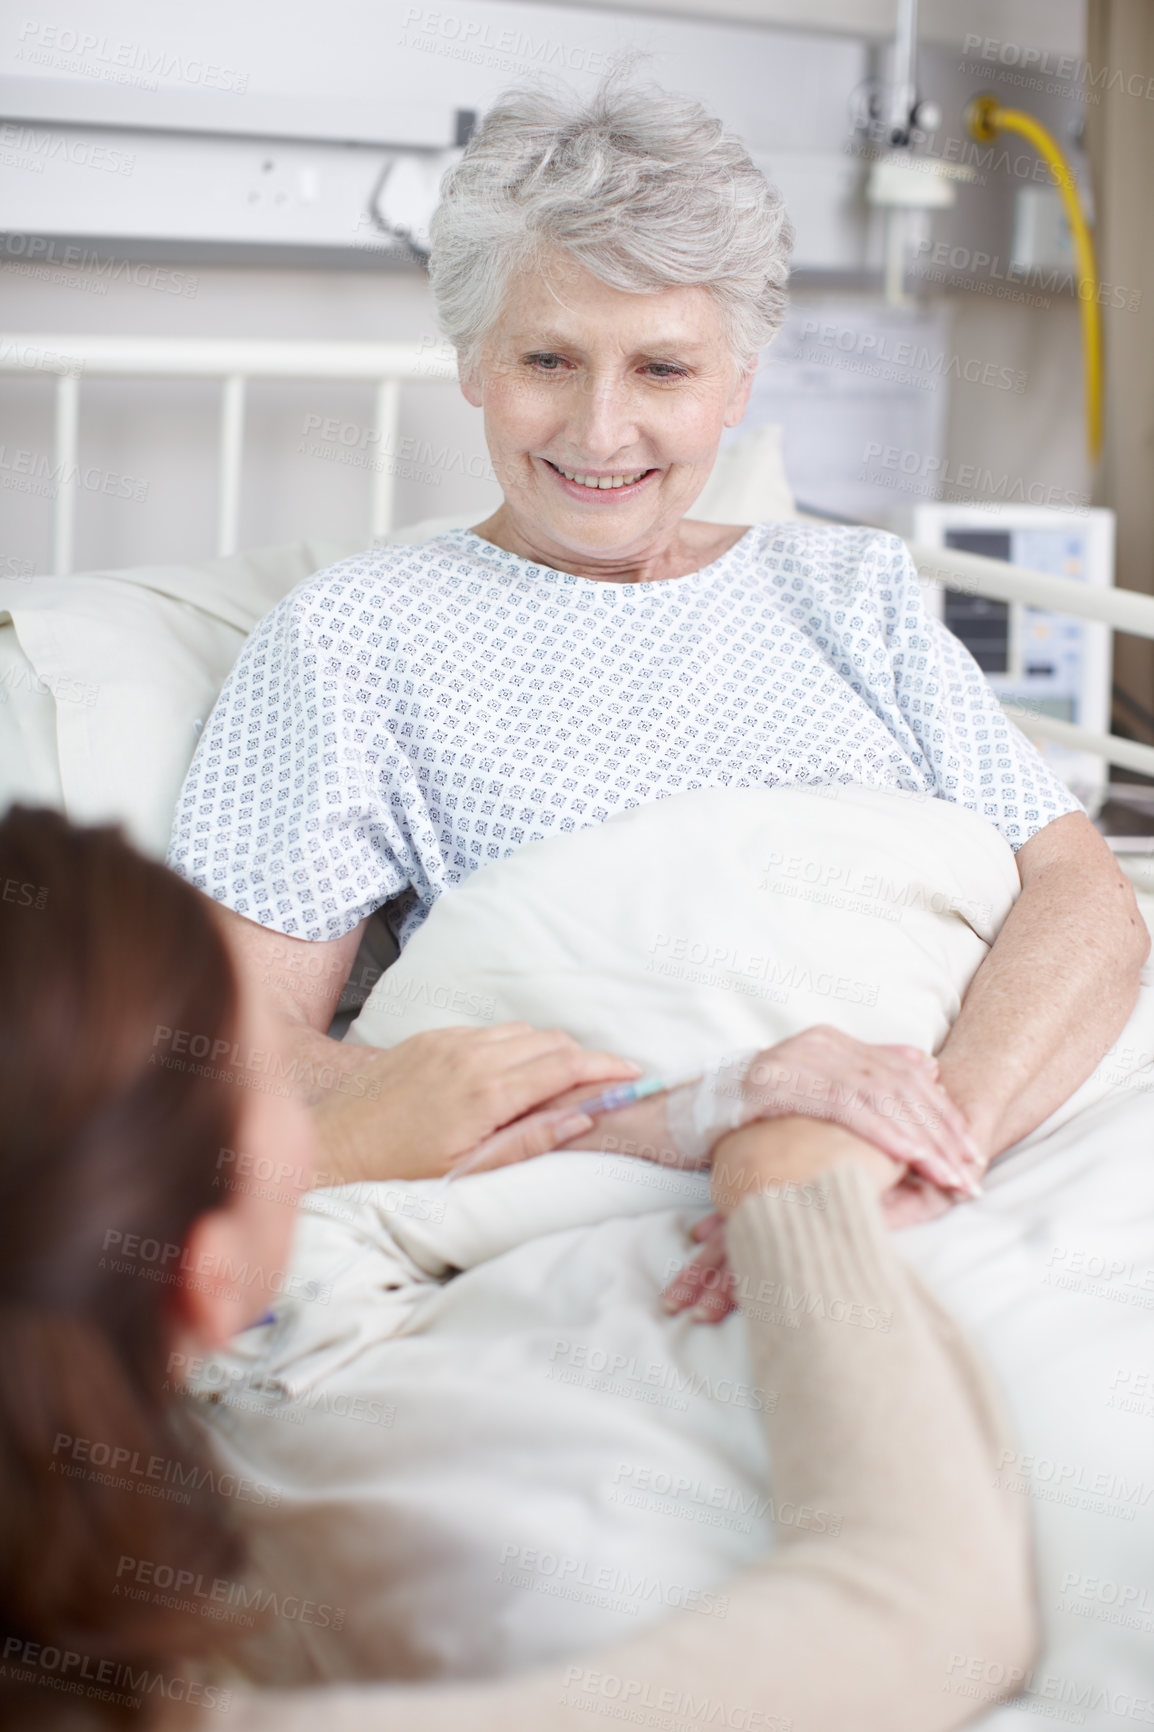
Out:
{"x": 699, "y": 1113}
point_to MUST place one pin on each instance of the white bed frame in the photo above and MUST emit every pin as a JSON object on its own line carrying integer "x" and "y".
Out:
{"x": 234, "y": 362}
{"x": 388, "y": 366}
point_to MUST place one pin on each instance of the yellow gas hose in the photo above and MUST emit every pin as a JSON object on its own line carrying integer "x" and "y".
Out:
{"x": 985, "y": 118}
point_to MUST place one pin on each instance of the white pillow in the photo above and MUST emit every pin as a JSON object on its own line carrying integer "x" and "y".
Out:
{"x": 29, "y": 762}
{"x": 689, "y": 927}
{"x": 748, "y": 483}
{"x": 109, "y": 677}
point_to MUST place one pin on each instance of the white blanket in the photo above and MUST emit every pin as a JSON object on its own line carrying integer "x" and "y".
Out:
{"x": 692, "y": 926}
{"x": 530, "y": 1458}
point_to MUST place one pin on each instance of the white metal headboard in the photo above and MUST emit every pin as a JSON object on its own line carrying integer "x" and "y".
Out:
{"x": 388, "y": 366}
{"x": 234, "y": 362}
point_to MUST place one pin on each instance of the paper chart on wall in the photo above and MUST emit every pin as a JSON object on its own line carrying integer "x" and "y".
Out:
{"x": 861, "y": 390}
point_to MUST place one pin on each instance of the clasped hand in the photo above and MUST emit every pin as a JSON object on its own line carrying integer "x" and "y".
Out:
{"x": 477, "y": 1099}
{"x": 890, "y": 1096}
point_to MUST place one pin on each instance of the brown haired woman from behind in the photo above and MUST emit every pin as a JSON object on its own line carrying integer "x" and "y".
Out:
{"x": 119, "y": 1242}
{"x": 111, "y": 1185}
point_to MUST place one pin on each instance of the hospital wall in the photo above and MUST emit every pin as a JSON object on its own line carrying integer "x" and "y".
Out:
{"x": 1010, "y": 379}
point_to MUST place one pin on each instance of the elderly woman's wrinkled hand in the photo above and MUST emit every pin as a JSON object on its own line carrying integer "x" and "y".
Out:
{"x": 888, "y": 1095}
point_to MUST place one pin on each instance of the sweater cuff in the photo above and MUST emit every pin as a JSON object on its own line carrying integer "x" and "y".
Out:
{"x": 823, "y": 1244}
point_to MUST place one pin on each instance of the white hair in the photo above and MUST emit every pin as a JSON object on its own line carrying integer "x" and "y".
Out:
{"x": 642, "y": 187}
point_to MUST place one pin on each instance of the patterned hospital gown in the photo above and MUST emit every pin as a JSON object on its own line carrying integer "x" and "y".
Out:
{"x": 417, "y": 711}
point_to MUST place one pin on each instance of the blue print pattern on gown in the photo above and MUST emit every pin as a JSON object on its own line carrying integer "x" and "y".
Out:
{"x": 414, "y": 712}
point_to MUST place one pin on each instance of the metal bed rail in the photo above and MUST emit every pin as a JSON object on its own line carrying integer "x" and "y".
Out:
{"x": 1122, "y": 610}
{"x": 388, "y": 366}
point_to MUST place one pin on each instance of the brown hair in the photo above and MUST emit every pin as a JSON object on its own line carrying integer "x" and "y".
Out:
{"x": 99, "y": 949}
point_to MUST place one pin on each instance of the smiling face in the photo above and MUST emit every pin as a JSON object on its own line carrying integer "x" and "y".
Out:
{"x": 603, "y": 415}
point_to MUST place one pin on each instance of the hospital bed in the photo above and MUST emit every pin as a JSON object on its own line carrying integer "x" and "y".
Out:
{"x": 107, "y": 678}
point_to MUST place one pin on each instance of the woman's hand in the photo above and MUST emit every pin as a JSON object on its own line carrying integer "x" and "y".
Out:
{"x": 795, "y": 1152}
{"x": 423, "y": 1107}
{"x": 791, "y": 1151}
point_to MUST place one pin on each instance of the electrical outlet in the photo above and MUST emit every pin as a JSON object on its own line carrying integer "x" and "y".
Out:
{"x": 1042, "y": 239}
{"x": 277, "y": 183}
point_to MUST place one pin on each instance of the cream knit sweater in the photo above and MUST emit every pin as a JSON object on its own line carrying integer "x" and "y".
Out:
{"x": 868, "y": 1630}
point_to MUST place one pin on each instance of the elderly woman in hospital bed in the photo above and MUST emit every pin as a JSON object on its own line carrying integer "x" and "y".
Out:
{"x": 609, "y": 273}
